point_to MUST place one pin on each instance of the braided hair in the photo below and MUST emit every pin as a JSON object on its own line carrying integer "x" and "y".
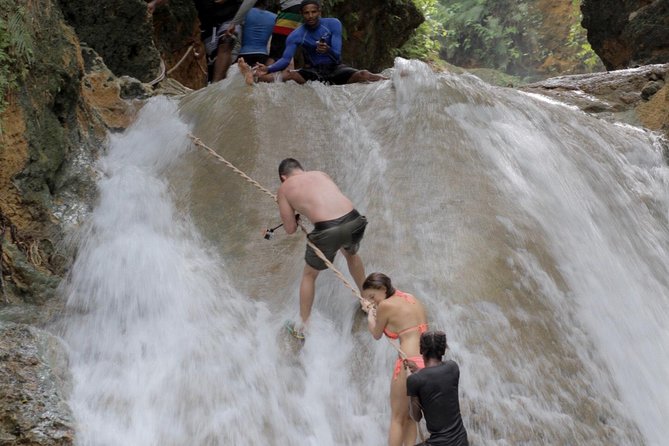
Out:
{"x": 433, "y": 344}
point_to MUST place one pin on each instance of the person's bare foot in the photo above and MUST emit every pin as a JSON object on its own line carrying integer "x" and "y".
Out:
{"x": 246, "y": 71}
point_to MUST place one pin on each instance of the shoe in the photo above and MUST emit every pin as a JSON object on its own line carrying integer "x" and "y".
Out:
{"x": 294, "y": 331}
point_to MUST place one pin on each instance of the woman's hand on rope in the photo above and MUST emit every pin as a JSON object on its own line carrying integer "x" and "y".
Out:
{"x": 366, "y": 305}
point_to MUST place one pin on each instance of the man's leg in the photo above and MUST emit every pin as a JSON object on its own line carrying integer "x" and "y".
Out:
{"x": 355, "y": 267}
{"x": 223, "y": 59}
{"x": 288, "y": 75}
{"x": 307, "y": 292}
{"x": 365, "y": 76}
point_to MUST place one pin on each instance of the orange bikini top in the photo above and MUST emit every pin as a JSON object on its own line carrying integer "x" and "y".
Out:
{"x": 422, "y": 328}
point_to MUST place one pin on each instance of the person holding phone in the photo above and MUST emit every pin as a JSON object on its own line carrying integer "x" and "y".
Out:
{"x": 321, "y": 41}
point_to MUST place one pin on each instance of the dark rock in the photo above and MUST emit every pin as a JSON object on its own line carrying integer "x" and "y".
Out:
{"x": 177, "y": 37}
{"x": 120, "y": 31}
{"x": 630, "y": 95}
{"x": 628, "y": 33}
{"x": 30, "y": 283}
{"x": 374, "y": 30}
{"x": 131, "y": 88}
{"x": 650, "y": 89}
{"x": 34, "y": 387}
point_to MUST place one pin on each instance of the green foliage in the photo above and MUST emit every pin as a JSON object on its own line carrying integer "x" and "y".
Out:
{"x": 5, "y": 64}
{"x": 505, "y": 35}
{"x": 16, "y": 48}
{"x": 501, "y": 33}
{"x": 578, "y": 40}
{"x": 20, "y": 38}
{"x": 425, "y": 43}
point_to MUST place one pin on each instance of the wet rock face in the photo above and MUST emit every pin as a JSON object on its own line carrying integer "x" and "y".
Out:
{"x": 34, "y": 383}
{"x": 638, "y": 96}
{"x": 52, "y": 131}
{"x": 628, "y": 33}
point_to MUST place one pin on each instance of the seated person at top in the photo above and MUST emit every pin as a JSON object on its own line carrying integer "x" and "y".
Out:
{"x": 321, "y": 41}
{"x": 256, "y": 32}
{"x": 219, "y": 22}
{"x": 259, "y": 27}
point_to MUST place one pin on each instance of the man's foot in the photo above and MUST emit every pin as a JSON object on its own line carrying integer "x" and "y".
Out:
{"x": 297, "y": 333}
{"x": 246, "y": 71}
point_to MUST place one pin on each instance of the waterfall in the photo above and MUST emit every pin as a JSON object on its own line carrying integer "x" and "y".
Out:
{"x": 536, "y": 235}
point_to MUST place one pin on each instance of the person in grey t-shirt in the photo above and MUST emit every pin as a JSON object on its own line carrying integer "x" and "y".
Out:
{"x": 433, "y": 393}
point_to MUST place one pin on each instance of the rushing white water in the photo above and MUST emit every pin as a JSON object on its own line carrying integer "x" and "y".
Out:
{"x": 536, "y": 235}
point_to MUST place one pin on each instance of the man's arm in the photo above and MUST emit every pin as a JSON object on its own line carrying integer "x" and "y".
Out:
{"x": 415, "y": 409}
{"x": 287, "y": 214}
{"x": 288, "y": 53}
{"x": 241, "y": 12}
{"x": 336, "y": 40}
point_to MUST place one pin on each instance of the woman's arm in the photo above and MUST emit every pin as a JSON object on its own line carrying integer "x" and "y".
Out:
{"x": 377, "y": 320}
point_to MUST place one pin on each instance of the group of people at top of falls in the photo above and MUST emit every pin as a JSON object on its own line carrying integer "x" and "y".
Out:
{"x": 264, "y": 44}
{"x": 422, "y": 383}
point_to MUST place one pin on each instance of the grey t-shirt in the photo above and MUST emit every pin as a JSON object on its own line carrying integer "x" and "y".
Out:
{"x": 437, "y": 389}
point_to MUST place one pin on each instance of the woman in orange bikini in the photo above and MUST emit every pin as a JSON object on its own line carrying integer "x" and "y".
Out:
{"x": 401, "y": 316}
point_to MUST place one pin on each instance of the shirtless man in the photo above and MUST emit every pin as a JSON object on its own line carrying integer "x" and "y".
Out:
{"x": 337, "y": 226}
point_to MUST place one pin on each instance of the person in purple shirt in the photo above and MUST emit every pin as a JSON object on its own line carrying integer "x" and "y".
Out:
{"x": 321, "y": 41}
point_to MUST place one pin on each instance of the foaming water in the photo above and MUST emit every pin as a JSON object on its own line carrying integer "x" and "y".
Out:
{"x": 536, "y": 235}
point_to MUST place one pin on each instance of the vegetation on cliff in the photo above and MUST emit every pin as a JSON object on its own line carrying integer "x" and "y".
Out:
{"x": 16, "y": 48}
{"x": 519, "y": 37}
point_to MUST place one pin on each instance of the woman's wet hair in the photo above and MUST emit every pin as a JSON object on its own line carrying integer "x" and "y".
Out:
{"x": 433, "y": 344}
{"x": 376, "y": 281}
{"x": 288, "y": 165}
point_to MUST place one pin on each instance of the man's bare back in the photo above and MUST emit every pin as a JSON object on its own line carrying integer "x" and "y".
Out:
{"x": 338, "y": 227}
{"x": 312, "y": 194}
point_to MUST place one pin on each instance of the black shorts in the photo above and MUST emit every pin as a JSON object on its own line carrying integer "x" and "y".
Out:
{"x": 277, "y": 45}
{"x": 337, "y": 74}
{"x": 254, "y": 58}
{"x": 332, "y": 235}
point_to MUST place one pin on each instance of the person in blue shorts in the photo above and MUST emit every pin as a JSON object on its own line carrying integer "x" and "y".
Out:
{"x": 321, "y": 41}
